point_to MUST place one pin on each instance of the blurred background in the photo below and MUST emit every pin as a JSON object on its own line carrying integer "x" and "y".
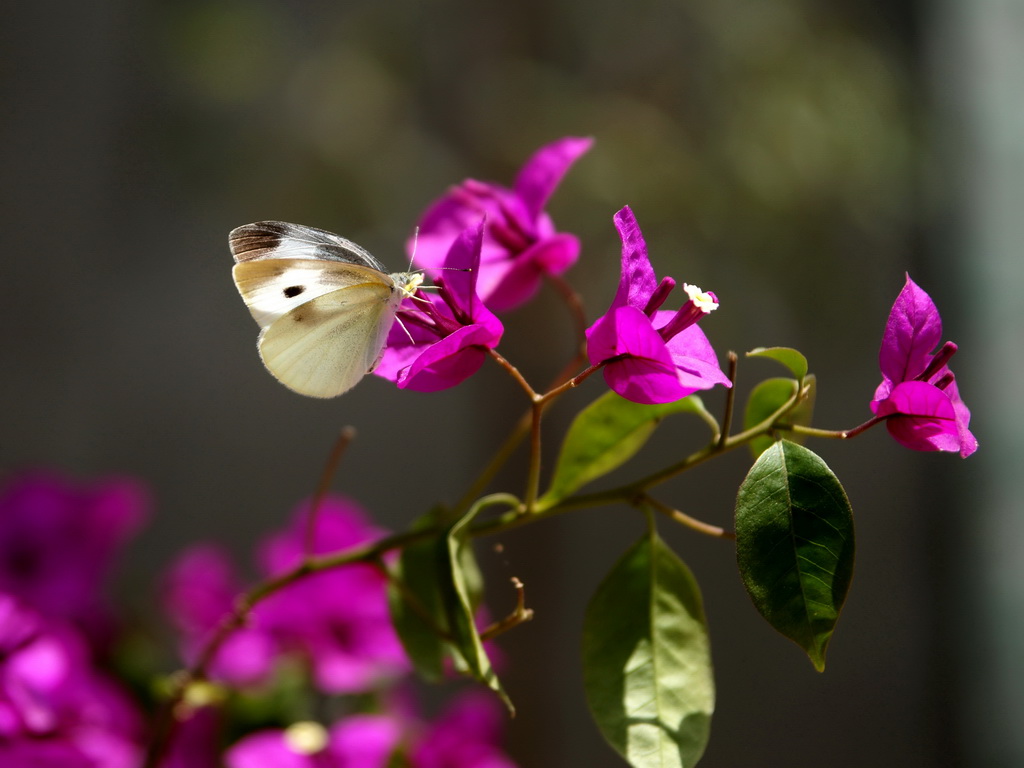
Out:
{"x": 796, "y": 157}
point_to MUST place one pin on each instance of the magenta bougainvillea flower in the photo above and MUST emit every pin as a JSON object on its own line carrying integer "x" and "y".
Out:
{"x": 442, "y": 340}
{"x": 918, "y": 393}
{"x": 359, "y": 741}
{"x": 195, "y": 740}
{"x": 520, "y": 243}
{"x": 55, "y": 708}
{"x": 467, "y": 735}
{"x": 651, "y": 356}
{"x": 199, "y": 591}
{"x": 59, "y": 539}
{"x": 337, "y": 620}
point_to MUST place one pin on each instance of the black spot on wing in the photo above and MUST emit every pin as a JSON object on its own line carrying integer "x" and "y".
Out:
{"x": 293, "y": 290}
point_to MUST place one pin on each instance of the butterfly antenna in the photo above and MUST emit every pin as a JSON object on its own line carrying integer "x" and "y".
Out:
{"x": 402, "y": 325}
{"x": 415, "y": 243}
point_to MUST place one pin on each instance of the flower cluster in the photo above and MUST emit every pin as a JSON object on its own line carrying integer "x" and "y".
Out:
{"x": 465, "y": 736}
{"x": 58, "y": 540}
{"x": 336, "y": 621}
{"x": 336, "y": 624}
{"x": 496, "y": 245}
{"x": 58, "y": 708}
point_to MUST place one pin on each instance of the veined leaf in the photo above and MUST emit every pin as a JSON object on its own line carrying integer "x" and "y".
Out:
{"x": 795, "y": 544}
{"x": 603, "y": 436}
{"x": 647, "y": 660}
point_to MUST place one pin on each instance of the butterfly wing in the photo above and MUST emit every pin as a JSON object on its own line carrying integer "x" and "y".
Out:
{"x": 324, "y": 346}
{"x": 281, "y": 240}
{"x": 273, "y": 287}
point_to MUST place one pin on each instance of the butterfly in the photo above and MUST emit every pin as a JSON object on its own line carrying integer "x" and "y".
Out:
{"x": 324, "y": 304}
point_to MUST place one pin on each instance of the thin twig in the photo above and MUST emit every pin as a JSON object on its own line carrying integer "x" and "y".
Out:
{"x": 730, "y": 400}
{"x": 346, "y": 436}
{"x": 519, "y": 614}
{"x": 690, "y": 522}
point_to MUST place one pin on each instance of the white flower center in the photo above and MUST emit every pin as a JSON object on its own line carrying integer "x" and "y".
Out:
{"x": 705, "y": 302}
{"x": 306, "y": 738}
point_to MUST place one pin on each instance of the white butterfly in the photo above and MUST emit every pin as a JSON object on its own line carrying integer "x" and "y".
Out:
{"x": 325, "y": 305}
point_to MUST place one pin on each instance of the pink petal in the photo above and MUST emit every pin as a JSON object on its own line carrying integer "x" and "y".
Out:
{"x": 515, "y": 281}
{"x": 448, "y": 362}
{"x": 543, "y": 172}
{"x": 694, "y": 357}
{"x": 913, "y": 331}
{"x": 462, "y": 264}
{"x": 968, "y": 442}
{"x": 637, "y": 280}
{"x": 926, "y": 419}
{"x": 265, "y": 749}
{"x": 648, "y": 373}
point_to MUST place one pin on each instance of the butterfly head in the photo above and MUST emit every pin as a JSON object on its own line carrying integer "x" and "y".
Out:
{"x": 407, "y": 282}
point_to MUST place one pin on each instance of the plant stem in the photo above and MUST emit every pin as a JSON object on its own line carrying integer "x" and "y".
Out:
{"x": 730, "y": 399}
{"x": 830, "y": 434}
{"x": 346, "y": 436}
{"x": 690, "y": 522}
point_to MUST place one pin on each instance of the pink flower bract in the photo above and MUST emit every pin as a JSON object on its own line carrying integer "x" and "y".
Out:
{"x": 652, "y": 356}
{"x": 520, "y": 243}
{"x": 918, "y": 392}
{"x": 59, "y": 540}
{"x": 442, "y": 340}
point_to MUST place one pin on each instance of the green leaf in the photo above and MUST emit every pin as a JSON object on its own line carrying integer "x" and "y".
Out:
{"x": 794, "y": 544}
{"x": 770, "y": 395}
{"x": 457, "y": 586}
{"x": 790, "y": 358}
{"x": 647, "y": 660}
{"x": 417, "y": 610}
{"x": 606, "y": 434}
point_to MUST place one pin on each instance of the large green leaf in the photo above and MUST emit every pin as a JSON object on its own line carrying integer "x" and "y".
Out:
{"x": 457, "y": 593}
{"x": 647, "y": 660}
{"x": 794, "y": 544}
{"x": 770, "y": 395}
{"x": 603, "y": 436}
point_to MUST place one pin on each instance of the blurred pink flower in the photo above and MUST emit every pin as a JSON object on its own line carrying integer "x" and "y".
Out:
{"x": 195, "y": 741}
{"x": 467, "y": 735}
{"x": 338, "y": 620}
{"x": 199, "y": 592}
{"x": 359, "y": 741}
{"x": 59, "y": 539}
{"x": 55, "y": 708}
